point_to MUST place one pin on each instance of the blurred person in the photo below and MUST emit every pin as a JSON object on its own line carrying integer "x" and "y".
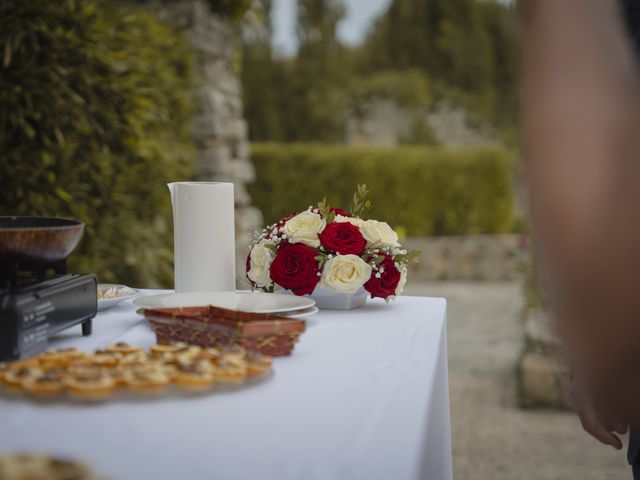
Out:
{"x": 580, "y": 115}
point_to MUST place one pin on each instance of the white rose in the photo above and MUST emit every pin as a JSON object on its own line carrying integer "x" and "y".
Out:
{"x": 403, "y": 279}
{"x": 379, "y": 233}
{"x": 304, "y": 228}
{"x": 358, "y": 222}
{"x": 345, "y": 273}
{"x": 259, "y": 262}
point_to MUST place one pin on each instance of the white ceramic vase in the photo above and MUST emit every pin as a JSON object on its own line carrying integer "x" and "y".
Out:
{"x": 327, "y": 299}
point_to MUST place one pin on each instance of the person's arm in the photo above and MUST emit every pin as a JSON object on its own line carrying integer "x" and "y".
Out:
{"x": 580, "y": 100}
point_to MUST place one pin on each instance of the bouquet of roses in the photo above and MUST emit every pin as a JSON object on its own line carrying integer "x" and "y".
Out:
{"x": 329, "y": 247}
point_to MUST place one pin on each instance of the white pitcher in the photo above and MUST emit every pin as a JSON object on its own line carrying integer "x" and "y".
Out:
{"x": 204, "y": 236}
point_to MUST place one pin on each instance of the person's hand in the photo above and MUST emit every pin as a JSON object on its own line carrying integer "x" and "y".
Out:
{"x": 597, "y": 421}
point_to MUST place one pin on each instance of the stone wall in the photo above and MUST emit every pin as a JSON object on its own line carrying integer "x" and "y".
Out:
{"x": 543, "y": 375}
{"x": 385, "y": 123}
{"x": 219, "y": 130}
{"x": 470, "y": 257}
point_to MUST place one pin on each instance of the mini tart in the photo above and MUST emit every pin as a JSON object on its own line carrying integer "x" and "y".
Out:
{"x": 233, "y": 350}
{"x": 257, "y": 364}
{"x": 99, "y": 360}
{"x": 59, "y": 358}
{"x": 122, "y": 348}
{"x": 48, "y": 384}
{"x": 87, "y": 370}
{"x": 90, "y": 386}
{"x": 196, "y": 376}
{"x": 118, "y": 372}
{"x": 164, "y": 358}
{"x": 230, "y": 372}
{"x": 133, "y": 357}
{"x": 31, "y": 362}
{"x": 15, "y": 376}
{"x": 211, "y": 354}
{"x": 149, "y": 380}
{"x": 168, "y": 348}
{"x": 187, "y": 354}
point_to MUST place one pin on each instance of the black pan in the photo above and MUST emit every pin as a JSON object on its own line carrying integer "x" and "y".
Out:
{"x": 40, "y": 240}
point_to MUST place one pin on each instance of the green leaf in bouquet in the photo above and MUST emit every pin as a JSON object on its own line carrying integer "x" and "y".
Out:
{"x": 378, "y": 260}
{"x": 361, "y": 206}
{"x": 407, "y": 258}
{"x": 321, "y": 258}
{"x": 271, "y": 247}
{"x": 324, "y": 208}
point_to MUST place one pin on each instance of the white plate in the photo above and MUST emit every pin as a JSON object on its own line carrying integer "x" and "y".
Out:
{"x": 256, "y": 302}
{"x": 307, "y": 312}
{"x": 123, "y": 291}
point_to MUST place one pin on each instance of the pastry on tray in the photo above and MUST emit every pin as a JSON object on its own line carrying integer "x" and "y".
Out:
{"x": 230, "y": 372}
{"x": 257, "y": 364}
{"x": 146, "y": 380}
{"x": 194, "y": 376}
{"x": 61, "y": 357}
{"x": 15, "y": 375}
{"x": 121, "y": 367}
{"x": 159, "y": 349}
{"x": 122, "y": 348}
{"x": 99, "y": 360}
{"x": 90, "y": 385}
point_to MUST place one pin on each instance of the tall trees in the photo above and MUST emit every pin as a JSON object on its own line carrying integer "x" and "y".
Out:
{"x": 462, "y": 45}
{"x": 464, "y": 48}
{"x": 317, "y": 75}
{"x": 301, "y": 98}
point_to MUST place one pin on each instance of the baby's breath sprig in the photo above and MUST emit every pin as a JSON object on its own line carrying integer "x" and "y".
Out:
{"x": 409, "y": 257}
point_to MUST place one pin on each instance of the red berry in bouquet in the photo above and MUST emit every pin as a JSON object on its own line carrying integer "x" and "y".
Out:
{"x": 295, "y": 268}
{"x": 384, "y": 281}
{"x": 343, "y": 238}
{"x": 284, "y": 219}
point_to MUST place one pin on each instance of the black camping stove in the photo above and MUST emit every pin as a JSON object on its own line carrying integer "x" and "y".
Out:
{"x": 37, "y": 302}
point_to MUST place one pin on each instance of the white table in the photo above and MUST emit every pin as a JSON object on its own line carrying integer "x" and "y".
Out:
{"x": 364, "y": 396}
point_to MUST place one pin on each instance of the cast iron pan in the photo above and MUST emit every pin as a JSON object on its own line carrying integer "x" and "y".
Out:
{"x": 38, "y": 240}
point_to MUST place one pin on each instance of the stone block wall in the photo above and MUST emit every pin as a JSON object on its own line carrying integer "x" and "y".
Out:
{"x": 469, "y": 257}
{"x": 385, "y": 123}
{"x": 543, "y": 375}
{"x": 220, "y": 132}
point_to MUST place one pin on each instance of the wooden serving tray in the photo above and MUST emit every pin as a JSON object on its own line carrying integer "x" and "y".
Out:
{"x": 210, "y": 326}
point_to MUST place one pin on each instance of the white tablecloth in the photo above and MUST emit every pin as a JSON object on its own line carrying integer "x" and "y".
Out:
{"x": 364, "y": 396}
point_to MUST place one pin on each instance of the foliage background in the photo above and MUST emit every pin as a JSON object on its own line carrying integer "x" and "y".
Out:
{"x": 96, "y": 104}
{"x": 93, "y": 123}
{"x": 425, "y": 191}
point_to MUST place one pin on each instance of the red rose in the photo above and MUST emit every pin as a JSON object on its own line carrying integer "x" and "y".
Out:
{"x": 295, "y": 268}
{"x": 343, "y": 237}
{"x": 387, "y": 284}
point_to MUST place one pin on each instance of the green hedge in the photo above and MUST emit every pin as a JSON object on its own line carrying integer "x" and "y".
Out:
{"x": 427, "y": 191}
{"x": 95, "y": 112}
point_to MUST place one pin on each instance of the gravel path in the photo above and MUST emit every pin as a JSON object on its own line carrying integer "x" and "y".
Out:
{"x": 492, "y": 438}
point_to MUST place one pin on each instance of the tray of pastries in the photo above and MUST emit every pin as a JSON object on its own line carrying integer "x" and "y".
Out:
{"x": 216, "y": 327}
{"x": 125, "y": 371}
